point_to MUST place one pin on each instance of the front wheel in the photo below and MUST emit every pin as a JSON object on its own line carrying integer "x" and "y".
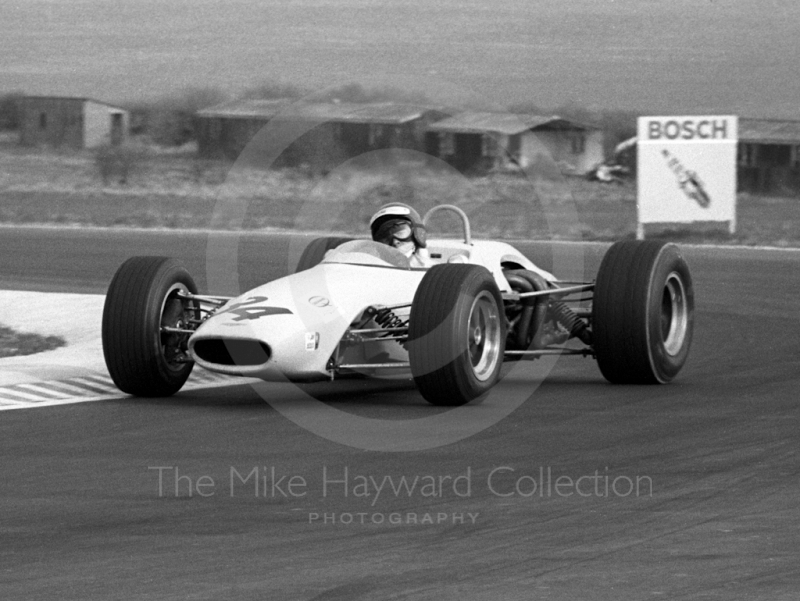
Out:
{"x": 456, "y": 334}
{"x": 642, "y": 312}
{"x": 144, "y": 297}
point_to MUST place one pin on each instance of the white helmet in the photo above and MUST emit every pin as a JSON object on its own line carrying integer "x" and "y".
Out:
{"x": 389, "y": 216}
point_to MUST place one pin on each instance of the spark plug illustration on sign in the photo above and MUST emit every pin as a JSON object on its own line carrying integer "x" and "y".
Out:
{"x": 688, "y": 180}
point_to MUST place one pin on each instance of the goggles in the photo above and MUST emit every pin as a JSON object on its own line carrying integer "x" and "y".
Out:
{"x": 402, "y": 232}
{"x": 395, "y": 231}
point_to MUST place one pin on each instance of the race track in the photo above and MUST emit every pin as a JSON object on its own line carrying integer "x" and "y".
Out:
{"x": 587, "y": 491}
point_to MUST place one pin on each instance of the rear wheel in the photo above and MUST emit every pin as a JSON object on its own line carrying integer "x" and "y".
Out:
{"x": 456, "y": 335}
{"x": 143, "y": 297}
{"x": 642, "y": 313}
{"x": 315, "y": 251}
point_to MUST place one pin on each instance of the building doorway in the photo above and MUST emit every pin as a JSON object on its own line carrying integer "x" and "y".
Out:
{"x": 117, "y": 133}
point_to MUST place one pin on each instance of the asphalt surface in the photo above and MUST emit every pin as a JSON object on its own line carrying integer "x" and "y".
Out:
{"x": 684, "y": 491}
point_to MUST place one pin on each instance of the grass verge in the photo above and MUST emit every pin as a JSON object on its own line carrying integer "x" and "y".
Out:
{"x": 176, "y": 190}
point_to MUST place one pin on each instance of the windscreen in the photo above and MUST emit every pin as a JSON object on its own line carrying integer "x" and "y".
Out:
{"x": 366, "y": 252}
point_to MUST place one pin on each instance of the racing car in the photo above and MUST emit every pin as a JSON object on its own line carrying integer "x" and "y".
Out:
{"x": 356, "y": 307}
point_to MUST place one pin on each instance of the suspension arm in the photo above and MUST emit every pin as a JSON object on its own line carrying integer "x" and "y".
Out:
{"x": 554, "y": 292}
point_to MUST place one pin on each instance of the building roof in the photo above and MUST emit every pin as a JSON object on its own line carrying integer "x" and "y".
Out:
{"x": 769, "y": 131}
{"x": 502, "y": 123}
{"x": 384, "y": 112}
{"x": 73, "y": 99}
{"x": 387, "y": 112}
{"x": 246, "y": 109}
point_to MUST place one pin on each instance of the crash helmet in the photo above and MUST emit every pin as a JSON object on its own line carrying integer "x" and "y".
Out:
{"x": 398, "y": 221}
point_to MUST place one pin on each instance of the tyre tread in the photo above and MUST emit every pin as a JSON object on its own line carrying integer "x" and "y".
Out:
{"x": 130, "y": 351}
{"x": 435, "y": 306}
{"x": 620, "y": 309}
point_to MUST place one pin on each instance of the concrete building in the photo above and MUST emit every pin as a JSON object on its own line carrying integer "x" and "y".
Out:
{"x": 71, "y": 122}
{"x": 328, "y": 133}
{"x": 768, "y": 155}
{"x": 224, "y": 130}
{"x": 481, "y": 141}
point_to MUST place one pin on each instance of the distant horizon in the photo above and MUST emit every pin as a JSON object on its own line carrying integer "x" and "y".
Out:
{"x": 682, "y": 57}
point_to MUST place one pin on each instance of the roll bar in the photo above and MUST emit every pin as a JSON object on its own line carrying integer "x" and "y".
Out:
{"x": 457, "y": 211}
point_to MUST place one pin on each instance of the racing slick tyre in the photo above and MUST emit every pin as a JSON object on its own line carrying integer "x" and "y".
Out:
{"x": 642, "y": 312}
{"x": 141, "y": 299}
{"x": 456, "y": 334}
{"x": 315, "y": 251}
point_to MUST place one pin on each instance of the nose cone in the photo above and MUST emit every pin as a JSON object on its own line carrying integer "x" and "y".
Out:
{"x": 285, "y": 329}
{"x": 267, "y": 344}
{"x": 295, "y": 323}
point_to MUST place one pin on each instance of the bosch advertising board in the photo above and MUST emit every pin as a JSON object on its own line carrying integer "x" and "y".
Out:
{"x": 687, "y": 170}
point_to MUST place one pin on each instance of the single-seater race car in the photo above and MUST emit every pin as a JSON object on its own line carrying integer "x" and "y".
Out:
{"x": 358, "y": 307}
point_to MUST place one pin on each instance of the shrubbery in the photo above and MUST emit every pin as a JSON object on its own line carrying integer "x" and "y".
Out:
{"x": 170, "y": 120}
{"x": 353, "y": 93}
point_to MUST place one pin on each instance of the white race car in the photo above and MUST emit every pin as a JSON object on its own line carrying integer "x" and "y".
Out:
{"x": 358, "y": 307}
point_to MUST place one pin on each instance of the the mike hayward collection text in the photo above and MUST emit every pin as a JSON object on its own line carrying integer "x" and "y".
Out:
{"x": 503, "y": 481}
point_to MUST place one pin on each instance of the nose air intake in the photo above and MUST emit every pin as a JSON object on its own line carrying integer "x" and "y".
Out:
{"x": 232, "y": 352}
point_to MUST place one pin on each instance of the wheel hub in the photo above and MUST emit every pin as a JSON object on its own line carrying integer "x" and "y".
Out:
{"x": 674, "y": 314}
{"x": 484, "y": 336}
{"x": 173, "y": 315}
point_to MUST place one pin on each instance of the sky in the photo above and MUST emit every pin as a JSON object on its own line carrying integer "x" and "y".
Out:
{"x": 657, "y": 56}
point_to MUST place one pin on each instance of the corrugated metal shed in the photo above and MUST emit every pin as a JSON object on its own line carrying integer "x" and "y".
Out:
{"x": 769, "y": 131}
{"x": 35, "y": 97}
{"x": 387, "y": 113}
{"x": 246, "y": 109}
{"x": 502, "y": 123}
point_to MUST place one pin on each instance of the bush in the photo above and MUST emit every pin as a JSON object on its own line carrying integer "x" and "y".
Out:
{"x": 352, "y": 93}
{"x": 169, "y": 121}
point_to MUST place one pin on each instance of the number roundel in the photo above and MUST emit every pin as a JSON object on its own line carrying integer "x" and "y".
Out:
{"x": 246, "y": 311}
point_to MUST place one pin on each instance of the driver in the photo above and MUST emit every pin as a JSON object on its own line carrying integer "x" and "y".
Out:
{"x": 398, "y": 225}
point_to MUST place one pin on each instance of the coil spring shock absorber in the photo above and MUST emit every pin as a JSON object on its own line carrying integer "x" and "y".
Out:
{"x": 574, "y": 324}
{"x": 386, "y": 318}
